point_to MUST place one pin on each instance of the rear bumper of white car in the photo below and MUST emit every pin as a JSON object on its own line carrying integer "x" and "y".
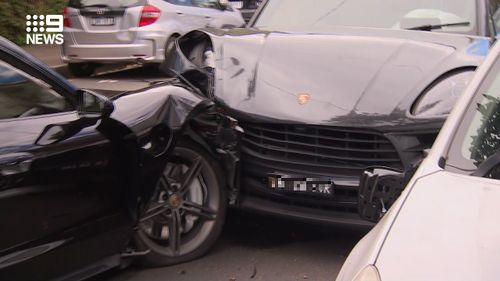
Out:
{"x": 149, "y": 50}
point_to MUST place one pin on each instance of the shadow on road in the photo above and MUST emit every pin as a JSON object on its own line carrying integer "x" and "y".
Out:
{"x": 255, "y": 247}
{"x": 259, "y": 231}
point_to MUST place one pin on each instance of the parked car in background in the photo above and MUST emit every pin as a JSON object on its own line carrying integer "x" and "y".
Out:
{"x": 99, "y": 32}
{"x": 325, "y": 90}
{"x": 444, "y": 226}
{"x": 88, "y": 183}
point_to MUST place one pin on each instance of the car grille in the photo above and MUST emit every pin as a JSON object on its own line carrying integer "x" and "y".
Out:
{"x": 341, "y": 153}
{"x": 319, "y": 149}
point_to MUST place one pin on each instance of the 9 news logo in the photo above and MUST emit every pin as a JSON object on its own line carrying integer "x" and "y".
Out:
{"x": 44, "y": 29}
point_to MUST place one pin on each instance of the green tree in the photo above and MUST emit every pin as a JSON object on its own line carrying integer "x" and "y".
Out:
{"x": 13, "y": 16}
{"x": 487, "y": 140}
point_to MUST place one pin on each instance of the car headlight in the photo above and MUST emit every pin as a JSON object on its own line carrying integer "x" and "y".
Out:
{"x": 369, "y": 273}
{"x": 440, "y": 98}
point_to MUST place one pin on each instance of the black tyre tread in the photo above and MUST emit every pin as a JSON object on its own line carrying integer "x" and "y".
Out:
{"x": 81, "y": 69}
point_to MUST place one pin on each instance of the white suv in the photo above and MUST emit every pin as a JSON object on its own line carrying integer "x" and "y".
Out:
{"x": 110, "y": 31}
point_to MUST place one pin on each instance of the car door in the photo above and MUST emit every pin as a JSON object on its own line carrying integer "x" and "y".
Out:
{"x": 61, "y": 204}
{"x": 188, "y": 15}
{"x": 209, "y": 12}
{"x": 218, "y": 17}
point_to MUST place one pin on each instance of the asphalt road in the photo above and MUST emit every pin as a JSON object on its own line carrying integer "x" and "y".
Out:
{"x": 251, "y": 247}
{"x": 256, "y": 247}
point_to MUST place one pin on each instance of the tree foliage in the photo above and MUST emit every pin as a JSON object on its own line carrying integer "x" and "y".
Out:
{"x": 13, "y": 15}
{"x": 487, "y": 140}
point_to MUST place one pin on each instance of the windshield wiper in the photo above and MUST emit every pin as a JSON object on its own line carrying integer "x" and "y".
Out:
{"x": 430, "y": 27}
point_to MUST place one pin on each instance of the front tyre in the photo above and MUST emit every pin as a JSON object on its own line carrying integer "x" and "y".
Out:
{"x": 184, "y": 217}
{"x": 81, "y": 69}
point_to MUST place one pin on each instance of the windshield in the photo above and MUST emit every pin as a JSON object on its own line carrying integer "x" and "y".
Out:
{"x": 395, "y": 14}
{"x": 479, "y": 135}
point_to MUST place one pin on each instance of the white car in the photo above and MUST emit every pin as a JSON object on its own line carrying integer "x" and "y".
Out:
{"x": 110, "y": 31}
{"x": 445, "y": 225}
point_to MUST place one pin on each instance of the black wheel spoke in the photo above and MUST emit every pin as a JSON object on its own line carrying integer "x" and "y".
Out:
{"x": 164, "y": 184}
{"x": 174, "y": 172}
{"x": 154, "y": 211}
{"x": 191, "y": 174}
{"x": 199, "y": 210}
{"x": 174, "y": 228}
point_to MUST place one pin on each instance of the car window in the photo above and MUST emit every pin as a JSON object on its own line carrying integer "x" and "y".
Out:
{"x": 181, "y": 2}
{"x": 496, "y": 20}
{"x": 395, "y": 14}
{"x": 206, "y": 3}
{"x": 478, "y": 137}
{"x": 22, "y": 95}
{"x": 108, "y": 3}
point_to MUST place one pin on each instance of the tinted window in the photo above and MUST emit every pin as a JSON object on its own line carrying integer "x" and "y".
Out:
{"x": 479, "y": 135}
{"x": 206, "y": 3}
{"x": 396, "y": 14}
{"x": 109, "y": 3}
{"x": 23, "y": 96}
{"x": 181, "y": 2}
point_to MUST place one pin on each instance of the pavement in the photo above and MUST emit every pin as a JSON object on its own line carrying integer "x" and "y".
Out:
{"x": 49, "y": 54}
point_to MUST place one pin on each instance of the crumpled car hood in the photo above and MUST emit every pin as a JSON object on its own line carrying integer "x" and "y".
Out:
{"x": 356, "y": 77}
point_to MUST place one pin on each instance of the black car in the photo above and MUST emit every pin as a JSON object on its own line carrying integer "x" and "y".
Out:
{"x": 88, "y": 183}
{"x": 324, "y": 91}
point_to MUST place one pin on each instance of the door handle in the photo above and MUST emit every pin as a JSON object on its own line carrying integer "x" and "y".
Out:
{"x": 180, "y": 13}
{"x": 15, "y": 163}
{"x": 208, "y": 17}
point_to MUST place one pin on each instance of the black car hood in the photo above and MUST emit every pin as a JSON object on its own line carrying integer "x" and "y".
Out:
{"x": 353, "y": 77}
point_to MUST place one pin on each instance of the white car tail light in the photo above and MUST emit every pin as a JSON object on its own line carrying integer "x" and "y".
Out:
{"x": 149, "y": 15}
{"x": 67, "y": 21}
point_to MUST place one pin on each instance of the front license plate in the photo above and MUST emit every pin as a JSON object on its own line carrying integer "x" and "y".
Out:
{"x": 322, "y": 186}
{"x": 102, "y": 21}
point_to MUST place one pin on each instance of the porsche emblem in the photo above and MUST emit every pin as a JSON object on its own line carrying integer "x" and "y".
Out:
{"x": 303, "y": 99}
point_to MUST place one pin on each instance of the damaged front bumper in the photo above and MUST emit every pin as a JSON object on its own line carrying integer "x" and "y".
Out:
{"x": 378, "y": 189}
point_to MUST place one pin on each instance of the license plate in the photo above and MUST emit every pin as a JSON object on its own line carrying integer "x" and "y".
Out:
{"x": 102, "y": 21}
{"x": 322, "y": 186}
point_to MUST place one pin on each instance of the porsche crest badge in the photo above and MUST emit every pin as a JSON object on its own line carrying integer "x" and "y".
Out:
{"x": 303, "y": 99}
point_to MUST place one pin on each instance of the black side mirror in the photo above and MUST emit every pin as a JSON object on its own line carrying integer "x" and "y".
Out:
{"x": 91, "y": 104}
